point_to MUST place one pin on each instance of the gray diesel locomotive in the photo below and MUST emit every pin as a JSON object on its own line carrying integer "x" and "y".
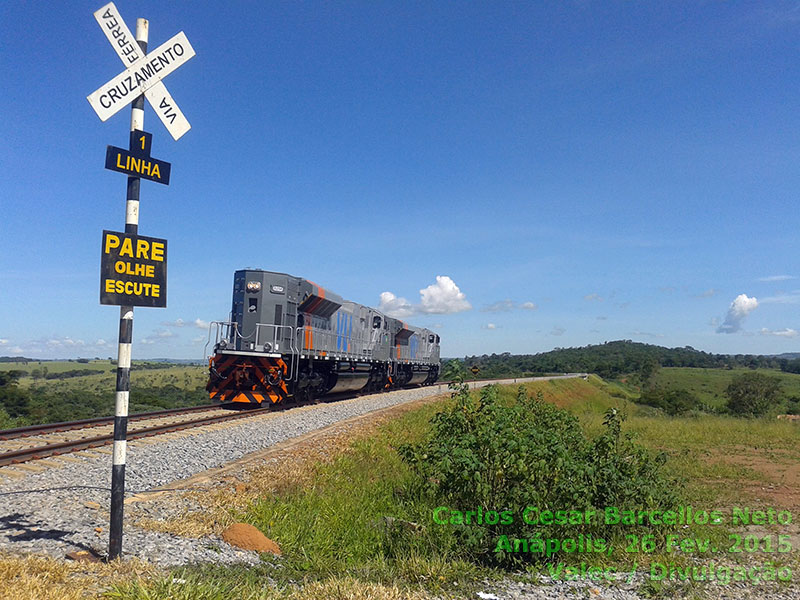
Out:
{"x": 288, "y": 339}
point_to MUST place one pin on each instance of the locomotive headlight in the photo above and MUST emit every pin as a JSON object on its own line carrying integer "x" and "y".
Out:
{"x": 267, "y": 347}
{"x": 253, "y": 286}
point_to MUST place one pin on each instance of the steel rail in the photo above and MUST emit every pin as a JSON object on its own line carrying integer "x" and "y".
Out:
{"x": 27, "y": 454}
{"x": 32, "y": 430}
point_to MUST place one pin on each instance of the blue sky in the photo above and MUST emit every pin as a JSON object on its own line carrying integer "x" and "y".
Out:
{"x": 550, "y": 174}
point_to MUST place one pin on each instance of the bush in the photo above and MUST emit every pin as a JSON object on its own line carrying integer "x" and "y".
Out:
{"x": 752, "y": 394}
{"x": 506, "y": 457}
{"x": 672, "y": 402}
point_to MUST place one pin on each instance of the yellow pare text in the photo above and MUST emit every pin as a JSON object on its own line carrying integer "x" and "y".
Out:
{"x": 144, "y": 249}
{"x": 132, "y": 288}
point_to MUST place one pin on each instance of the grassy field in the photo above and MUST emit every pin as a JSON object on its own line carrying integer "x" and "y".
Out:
{"x": 154, "y": 386}
{"x": 708, "y": 385}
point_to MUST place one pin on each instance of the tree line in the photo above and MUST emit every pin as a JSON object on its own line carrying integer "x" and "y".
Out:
{"x": 613, "y": 359}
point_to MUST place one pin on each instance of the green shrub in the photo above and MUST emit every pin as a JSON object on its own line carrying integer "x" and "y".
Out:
{"x": 483, "y": 453}
{"x": 752, "y": 394}
{"x": 672, "y": 402}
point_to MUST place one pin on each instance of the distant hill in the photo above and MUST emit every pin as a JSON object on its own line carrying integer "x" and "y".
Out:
{"x": 616, "y": 358}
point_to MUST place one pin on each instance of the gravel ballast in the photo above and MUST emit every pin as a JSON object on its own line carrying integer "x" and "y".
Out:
{"x": 55, "y": 511}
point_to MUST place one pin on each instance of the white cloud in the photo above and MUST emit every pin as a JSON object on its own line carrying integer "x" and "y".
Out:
{"x": 741, "y": 306}
{"x": 440, "y": 298}
{"x": 3, "y": 342}
{"x": 528, "y": 306}
{"x": 101, "y": 343}
{"x": 393, "y": 306}
{"x": 786, "y": 332}
{"x": 443, "y": 297}
{"x": 200, "y": 324}
{"x": 777, "y": 278}
{"x": 489, "y": 326}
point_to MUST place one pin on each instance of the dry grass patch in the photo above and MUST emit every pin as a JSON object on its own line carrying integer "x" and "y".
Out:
{"x": 348, "y": 588}
{"x": 43, "y": 578}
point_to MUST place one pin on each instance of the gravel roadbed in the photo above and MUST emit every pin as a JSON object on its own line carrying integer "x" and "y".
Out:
{"x": 65, "y": 508}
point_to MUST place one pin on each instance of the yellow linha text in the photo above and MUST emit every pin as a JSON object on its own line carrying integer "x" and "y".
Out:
{"x": 142, "y": 166}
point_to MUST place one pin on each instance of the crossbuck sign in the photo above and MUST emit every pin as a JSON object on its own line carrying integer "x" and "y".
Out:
{"x": 143, "y": 75}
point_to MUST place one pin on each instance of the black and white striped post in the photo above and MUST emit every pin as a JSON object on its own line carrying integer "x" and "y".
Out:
{"x": 125, "y": 339}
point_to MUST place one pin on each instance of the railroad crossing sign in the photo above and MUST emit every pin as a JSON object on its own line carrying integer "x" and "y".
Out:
{"x": 136, "y": 161}
{"x": 475, "y": 369}
{"x": 143, "y": 75}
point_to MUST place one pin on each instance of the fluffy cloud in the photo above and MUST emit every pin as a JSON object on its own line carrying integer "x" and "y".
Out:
{"x": 400, "y": 308}
{"x": 786, "y": 332}
{"x": 741, "y": 306}
{"x": 443, "y": 297}
{"x": 440, "y": 298}
{"x": 3, "y": 342}
{"x": 489, "y": 326}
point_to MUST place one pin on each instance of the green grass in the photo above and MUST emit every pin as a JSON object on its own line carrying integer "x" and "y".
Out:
{"x": 708, "y": 385}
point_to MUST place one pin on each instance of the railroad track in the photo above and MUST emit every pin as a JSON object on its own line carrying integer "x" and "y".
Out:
{"x": 25, "y": 444}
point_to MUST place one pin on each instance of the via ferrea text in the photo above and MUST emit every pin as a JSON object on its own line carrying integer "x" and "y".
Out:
{"x": 128, "y": 47}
